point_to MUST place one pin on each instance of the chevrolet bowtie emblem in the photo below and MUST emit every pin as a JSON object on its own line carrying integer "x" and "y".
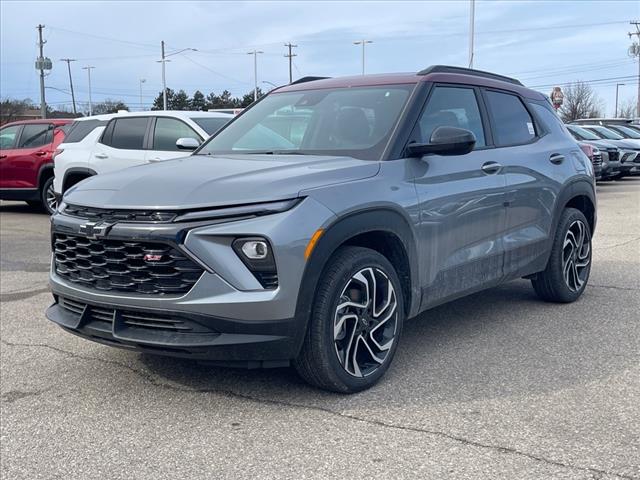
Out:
{"x": 94, "y": 230}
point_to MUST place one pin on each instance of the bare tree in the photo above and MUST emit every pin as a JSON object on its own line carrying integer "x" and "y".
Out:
{"x": 11, "y": 109}
{"x": 627, "y": 109}
{"x": 580, "y": 101}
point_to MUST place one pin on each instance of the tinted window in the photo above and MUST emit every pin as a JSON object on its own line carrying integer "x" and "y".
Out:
{"x": 36, "y": 135}
{"x": 605, "y": 133}
{"x": 452, "y": 107}
{"x": 356, "y": 122}
{"x": 211, "y": 125}
{"x": 79, "y": 130}
{"x": 8, "y": 136}
{"x": 513, "y": 124}
{"x": 549, "y": 118}
{"x": 582, "y": 133}
{"x": 128, "y": 133}
{"x": 624, "y": 131}
{"x": 168, "y": 131}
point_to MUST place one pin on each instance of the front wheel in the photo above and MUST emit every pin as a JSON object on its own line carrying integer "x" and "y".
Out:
{"x": 355, "y": 324}
{"x": 569, "y": 266}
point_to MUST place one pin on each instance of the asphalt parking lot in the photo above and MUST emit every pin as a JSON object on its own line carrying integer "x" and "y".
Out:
{"x": 496, "y": 385}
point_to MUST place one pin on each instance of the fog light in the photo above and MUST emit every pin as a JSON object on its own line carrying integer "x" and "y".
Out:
{"x": 255, "y": 249}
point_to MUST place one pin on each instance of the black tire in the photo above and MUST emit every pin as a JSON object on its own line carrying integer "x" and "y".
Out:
{"x": 320, "y": 363}
{"x": 551, "y": 284}
{"x": 47, "y": 201}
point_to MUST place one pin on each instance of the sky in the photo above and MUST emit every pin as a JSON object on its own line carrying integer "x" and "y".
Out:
{"x": 542, "y": 43}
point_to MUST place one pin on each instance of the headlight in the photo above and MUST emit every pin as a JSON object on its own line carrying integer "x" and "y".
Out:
{"x": 257, "y": 255}
{"x": 251, "y": 210}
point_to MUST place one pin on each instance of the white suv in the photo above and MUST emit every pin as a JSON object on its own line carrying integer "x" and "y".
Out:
{"x": 105, "y": 143}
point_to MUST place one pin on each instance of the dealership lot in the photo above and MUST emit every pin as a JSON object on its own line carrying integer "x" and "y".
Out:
{"x": 496, "y": 385}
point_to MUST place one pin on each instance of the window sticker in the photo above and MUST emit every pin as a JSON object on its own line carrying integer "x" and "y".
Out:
{"x": 532, "y": 131}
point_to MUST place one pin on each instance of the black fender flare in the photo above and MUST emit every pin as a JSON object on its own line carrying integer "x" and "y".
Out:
{"x": 576, "y": 188}
{"x": 342, "y": 229}
{"x": 46, "y": 170}
{"x": 72, "y": 171}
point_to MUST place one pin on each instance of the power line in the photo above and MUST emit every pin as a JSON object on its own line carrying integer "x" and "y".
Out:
{"x": 597, "y": 81}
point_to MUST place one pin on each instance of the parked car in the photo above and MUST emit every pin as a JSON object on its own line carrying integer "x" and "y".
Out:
{"x": 106, "y": 143}
{"x": 603, "y": 121}
{"x": 26, "y": 167}
{"x": 629, "y": 148}
{"x": 266, "y": 248}
{"x": 595, "y": 155}
{"x": 609, "y": 152}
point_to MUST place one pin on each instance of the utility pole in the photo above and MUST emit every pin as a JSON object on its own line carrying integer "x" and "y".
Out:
{"x": 635, "y": 49}
{"x": 616, "y": 111}
{"x": 88, "y": 69}
{"x": 472, "y": 22}
{"x": 40, "y": 64}
{"x": 142, "y": 80}
{"x": 255, "y": 73}
{"x": 362, "y": 42}
{"x": 164, "y": 79}
{"x": 290, "y": 56}
{"x": 73, "y": 97}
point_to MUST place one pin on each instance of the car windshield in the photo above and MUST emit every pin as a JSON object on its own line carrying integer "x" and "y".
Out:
{"x": 356, "y": 122}
{"x": 583, "y": 133}
{"x": 606, "y": 133}
{"x": 627, "y": 132}
{"x": 211, "y": 124}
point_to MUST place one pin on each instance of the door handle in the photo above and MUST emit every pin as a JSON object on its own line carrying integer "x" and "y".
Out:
{"x": 40, "y": 153}
{"x": 101, "y": 155}
{"x": 155, "y": 160}
{"x": 556, "y": 158}
{"x": 3, "y": 156}
{"x": 491, "y": 167}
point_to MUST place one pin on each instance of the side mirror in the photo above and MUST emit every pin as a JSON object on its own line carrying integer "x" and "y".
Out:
{"x": 187, "y": 143}
{"x": 445, "y": 141}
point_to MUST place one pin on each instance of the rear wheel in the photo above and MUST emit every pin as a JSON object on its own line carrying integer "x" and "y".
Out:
{"x": 48, "y": 197}
{"x": 569, "y": 266}
{"x": 355, "y": 323}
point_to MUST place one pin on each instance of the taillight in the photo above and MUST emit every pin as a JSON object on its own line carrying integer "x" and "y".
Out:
{"x": 587, "y": 149}
{"x": 56, "y": 153}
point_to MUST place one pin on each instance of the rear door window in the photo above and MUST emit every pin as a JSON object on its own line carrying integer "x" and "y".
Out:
{"x": 512, "y": 123}
{"x": 36, "y": 135}
{"x": 168, "y": 131}
{"x": 127, "y": 133}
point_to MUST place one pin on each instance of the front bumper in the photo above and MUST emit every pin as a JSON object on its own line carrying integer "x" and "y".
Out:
{"x": 232, "y": 318}
{"x": 176, "y": 334}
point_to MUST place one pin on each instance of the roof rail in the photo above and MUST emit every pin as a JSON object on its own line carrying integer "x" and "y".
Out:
{"x": 468, "y": 71}
{"x": 307, "y": 79}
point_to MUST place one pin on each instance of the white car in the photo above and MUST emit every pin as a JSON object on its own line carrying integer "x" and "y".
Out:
{"x": 105, "y": 143}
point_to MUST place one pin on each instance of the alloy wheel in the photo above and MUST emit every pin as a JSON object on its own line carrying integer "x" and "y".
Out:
{"x": 576, "y": 256}
{"x": 365, "y": 322}
{"x": 50, "y": 198}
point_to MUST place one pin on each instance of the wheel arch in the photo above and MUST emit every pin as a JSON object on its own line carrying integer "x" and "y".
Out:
{"x": 77, "y": 173}
{"x": 384, "y": 230}
{"x": 579, "y": 195}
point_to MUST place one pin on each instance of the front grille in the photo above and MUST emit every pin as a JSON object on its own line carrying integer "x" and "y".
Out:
{"x": 268, "y": 280}
{"x": 614, "y": 155}
{"x": 124, "y": 266}
{"x": 597, "y": 160}
{"x": 113, "y": 215}
{"x": 103, "y": 318}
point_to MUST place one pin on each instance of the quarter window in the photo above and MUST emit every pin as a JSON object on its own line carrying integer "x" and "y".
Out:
{"x": 452, "y": 107}
{"x": 168, "y": 131}
{"x": 512, "y": 123}
{"x": 36, "y": 135}
{"x": 128, "y": 133}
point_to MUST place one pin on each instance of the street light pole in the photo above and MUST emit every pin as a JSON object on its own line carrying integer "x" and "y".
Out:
{"x": 362, "y": 42}
{"x": 73, "y": 97}
{"x": 142, "y": 80}
{"x": 255, "y": 73}
{"x": 88, "y": 69}
{"x": 472, "y": 22}
{"x": 163, "y": 60}
{"x": 616, "y": 112}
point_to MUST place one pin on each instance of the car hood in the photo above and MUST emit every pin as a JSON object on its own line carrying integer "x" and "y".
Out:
{"x": 215, "y": 180}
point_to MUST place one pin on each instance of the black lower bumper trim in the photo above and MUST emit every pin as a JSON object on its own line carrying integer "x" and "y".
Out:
{"x": 178, "y": 334}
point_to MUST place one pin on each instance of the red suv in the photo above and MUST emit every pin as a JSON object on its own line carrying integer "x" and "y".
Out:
{"x": 26, "y": 160}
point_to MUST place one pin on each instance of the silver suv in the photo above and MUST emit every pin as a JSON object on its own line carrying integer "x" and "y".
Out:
{"x": 316, "y": 222}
